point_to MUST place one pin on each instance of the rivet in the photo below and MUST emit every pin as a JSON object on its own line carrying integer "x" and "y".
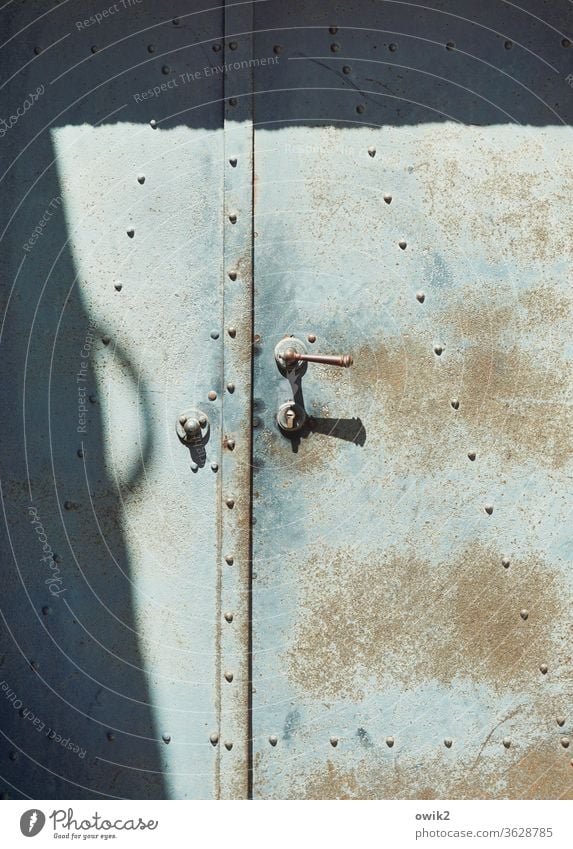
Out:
{"x": 333, "y": 30}
{"x": 334, "y": 48}
{"x": 228, "y": 617}
{"x": 229, "y": 676}
{"x": 455, "y": 403}
{"x": 194, "y": 467}
{"x": 94, "y": 48}
{"x": 214, "y": 467}
{"x": 372, "y": 152}
{"x": 229, "y": 559}
{"x": 57, "y": 558}
{"x": 176, "y": 22}
{"x": 230, "y": 387}
{"x": 230, "y": 444}
{"x": 311, "y": 338}
{"x": 448, "y": 742}
{"x": 110, "y": 736}
{"x": 389, "y": 742}
{"x": 472, "y": 455}
{"x": 214, "y": 739}
{"x": 202, "y": 420}
{"x": 256, "y": 339}
{"x": 151, "y": 48}
{"x": 166, "y": 738}
{"x": 141, "y": 179}
{"x": 565, "y": 42}
{"x": 450, "y": 45}
{"x": 560, "y": 721}
{"x": 360, "y": 108}
{"x": 217, "y": 47}
{"x": 68, "y": 505}
{"x": 388, "y": 198}
{"x": 233, "y": 217}
{"x": 506, "y": 742}
{"x": 228, "y": 745}
{"x": 233, "y": 101}
{"x": 403, "y": 244}
{"x": 46, "y": 610}
{"x": 214, "y": 334}
{"x": 212, "y": 396}
{"x": 34, "y": 665}
{"x": 565, "y": 742}
{"x": 392, "y": 47}
{"x": 420, "y": 296}
{"x": 80, "y": 452}
{"x": 488, "y": 509}
{"x": 37, "y": 50}
{"x": 165, "y": 69}
{"x": 334, "y": 742}
{"x": 256, "y": 421}
{"x": 233, "y": 161}
{"x": 508, "y": 45}
{"x": 13, "y": 756}
{"x": 106, "y": 340}
{"x": 93, "y": 399}
{"x": 273, "y": 740}
{"x": 438, "y": 349}
{"x": 277, "y": 49}
{"x": 524, "y": 614}
{"x": 544, "y": 669}
{"x": 505, "y": 561}
{"x": 230, "y": 502}
{"x": 118, "y": 286}
{"x": 232, "y": 331}
{"x": 233, "y": 45}
{"x": 130, "y": 232}
{"x": 346, "y": 69}
{"x": 232, "y": 274}
{"x": 153, "y": 124}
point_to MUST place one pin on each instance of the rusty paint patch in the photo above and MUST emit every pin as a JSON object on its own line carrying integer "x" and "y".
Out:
{"x": 373, "y": 619}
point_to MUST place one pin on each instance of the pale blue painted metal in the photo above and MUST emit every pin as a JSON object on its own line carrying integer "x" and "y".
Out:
{"x": 411, "y": 210}
{"x": 106, "y": 340}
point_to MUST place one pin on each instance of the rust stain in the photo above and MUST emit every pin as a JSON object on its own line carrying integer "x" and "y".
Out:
{"x": 511, "y": 400}
{"x": 374, "y": 619}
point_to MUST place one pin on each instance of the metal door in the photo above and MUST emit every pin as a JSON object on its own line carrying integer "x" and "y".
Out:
{"x": 376, "y": 604}
{"x": 113, "y": 272}
{"x": 411, "y": 565}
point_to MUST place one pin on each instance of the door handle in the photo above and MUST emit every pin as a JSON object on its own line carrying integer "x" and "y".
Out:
{"x": 291, "y": 355}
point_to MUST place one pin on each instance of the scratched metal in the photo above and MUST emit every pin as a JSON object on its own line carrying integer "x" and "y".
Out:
{"x": 412, "y": 551}
{"x": 121, "y": 661}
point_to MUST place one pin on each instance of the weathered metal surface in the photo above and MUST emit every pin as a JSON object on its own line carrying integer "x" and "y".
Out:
{"x": 109, "y": 590}
{"x": 412, "y": 552}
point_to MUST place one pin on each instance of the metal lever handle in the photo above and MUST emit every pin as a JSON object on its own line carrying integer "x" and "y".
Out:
{"x": 342, "y": 360}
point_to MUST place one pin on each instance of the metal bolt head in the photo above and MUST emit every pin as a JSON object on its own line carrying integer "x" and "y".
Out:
{"x": 420, "y": 296}
{"x": 228, "y": 617}
{"x": 203, "y": 421}
{"x": 372, "y": 152}
{"x": 392, "y": 47}
{"x": 230, "y": 387}
{"x": 488, "y": 509}
{"x": 544, "y": 669}
{"x": 346, "y": 69}
{"x": 311, "y": 338}
{"x": 212, "y": 396}
{"x": 46, "y": 610}
{"x": 388, "y": 198}
{"x": 217, "y": 47}
{"x": 232, "y": 331}
{"x": 194, "y": 467}
{"x": 360, "y": 108}
{"x": 448, "y": 742}
{"x": 214, "y": 334}
{"x": 191, "y": 426}
{"x": 233, "y": 45}
{"x": 438, "y": 350}
{"x": 333, "y": 30}
{"x": 232, "y": 274}
{"x": 80, "y": 453}
{"x": 233, "y": 217}
{"x": 165, "y": 69}
{"x": 233, "y": 161}
{"x": 229, "y": 676}
{"x": 130, "y": 232}
{"x": 141, "y": 179}
{"x": 334, "y": 48}
{"x": 214, "y": 739}
{"x": 334, "y": 742}
{"x": 277, "y": 49}
{"x": 118, "y": 286}
{"x": 106, "y": 340}
{"x": 506, "y": 742}
{"x": 228, "y": 745}
{"x": 166, "y": 738}
{"x": 389, "y": 742}
{"x": 524, "y": 614}
{"x": 505, "y": 561}
{"x": 151, "y": 48}
{"x": 560, "y": 721}
{"x": 233, "y": 101}
{"x": 229, "y": 559}
{"x": 403, "y": 244}
{"x": 153, "y": 124}
{"x": 565, "y": 742}
{"x": 455, "y": 403}
{"x": 110, "y": 736}
{"x": 472, "y": 455}
{"x": 214, "y": 467}
{"x": 273, "y": 740}
{"x": 230, "y": 502}
{"x": 231, "y": 444}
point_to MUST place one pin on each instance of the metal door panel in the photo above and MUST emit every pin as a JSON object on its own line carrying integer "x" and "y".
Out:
{"x": 411, "y": 562}
{"x": 108, "y": 338}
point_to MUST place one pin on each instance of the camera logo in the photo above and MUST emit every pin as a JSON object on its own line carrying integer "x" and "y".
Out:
{"x": 32, "y": 822}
